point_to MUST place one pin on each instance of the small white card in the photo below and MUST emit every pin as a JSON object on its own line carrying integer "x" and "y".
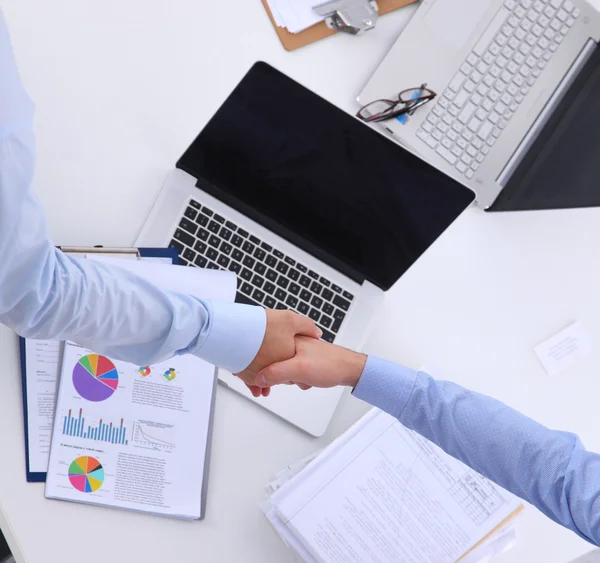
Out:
{"x": 564, "y": 349}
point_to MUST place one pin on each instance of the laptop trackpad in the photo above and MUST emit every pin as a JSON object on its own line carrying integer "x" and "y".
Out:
{"x": 454, "y": 21}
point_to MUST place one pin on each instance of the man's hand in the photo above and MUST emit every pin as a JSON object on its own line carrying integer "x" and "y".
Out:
{"x": 316, "y": 364}
{"x": 279, "y": 344}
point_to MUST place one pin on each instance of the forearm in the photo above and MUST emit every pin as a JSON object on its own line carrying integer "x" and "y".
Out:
{"x": 549, "y": 469}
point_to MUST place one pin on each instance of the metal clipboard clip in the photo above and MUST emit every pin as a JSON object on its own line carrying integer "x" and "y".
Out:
{"x": 349, "y": 16}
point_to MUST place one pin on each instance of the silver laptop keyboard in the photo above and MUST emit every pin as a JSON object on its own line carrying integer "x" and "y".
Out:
{"x": 265, "y": 275}
{"x": 485, "y": 93}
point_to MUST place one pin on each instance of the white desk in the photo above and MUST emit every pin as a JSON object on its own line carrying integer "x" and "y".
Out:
{"x": 121, "y": 89}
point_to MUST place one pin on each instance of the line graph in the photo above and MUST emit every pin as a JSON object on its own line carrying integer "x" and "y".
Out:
{"x": 154, "y": 435}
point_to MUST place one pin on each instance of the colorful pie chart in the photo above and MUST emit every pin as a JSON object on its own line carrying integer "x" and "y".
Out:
{"x": 95, "y": 378}
{"x": 86, "y": 474}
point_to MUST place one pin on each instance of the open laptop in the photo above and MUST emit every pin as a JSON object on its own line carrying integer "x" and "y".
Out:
{"x": 313, "y": 210}
{"x": 518, "y": 88}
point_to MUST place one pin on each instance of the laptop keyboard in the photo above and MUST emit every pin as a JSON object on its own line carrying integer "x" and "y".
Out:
{"x": 265, "y": 276}
{"x": 485, "y": 93}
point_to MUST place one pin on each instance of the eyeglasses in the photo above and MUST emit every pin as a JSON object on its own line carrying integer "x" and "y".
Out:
{"x": 407, "y": 103}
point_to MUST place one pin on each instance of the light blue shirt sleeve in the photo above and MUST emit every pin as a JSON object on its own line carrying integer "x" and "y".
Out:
{"x": 47, "y": 295}
{"x": 548, "y": 468}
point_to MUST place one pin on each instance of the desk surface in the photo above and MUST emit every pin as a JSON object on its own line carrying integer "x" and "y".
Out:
{"x": 121, "y": 88}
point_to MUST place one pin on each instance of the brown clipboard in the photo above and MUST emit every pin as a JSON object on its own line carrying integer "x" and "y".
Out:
{"x": 291, "y": 41}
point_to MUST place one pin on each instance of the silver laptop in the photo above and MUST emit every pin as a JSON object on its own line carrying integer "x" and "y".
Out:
{"x": 500, "y": 69}
{"x": 313, "y": 210}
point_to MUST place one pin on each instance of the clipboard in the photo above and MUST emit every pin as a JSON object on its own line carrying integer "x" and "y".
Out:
{"x": 292, "y": 41}
{"x": 132, "y": 253}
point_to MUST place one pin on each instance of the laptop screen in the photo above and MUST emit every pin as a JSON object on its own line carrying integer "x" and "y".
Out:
{"x": 315, "y": 175}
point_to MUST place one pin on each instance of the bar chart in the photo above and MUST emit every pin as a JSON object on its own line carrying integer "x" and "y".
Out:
{"x": 104, "y": 432}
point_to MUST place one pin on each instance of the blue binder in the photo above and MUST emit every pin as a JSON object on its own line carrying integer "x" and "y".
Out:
{"x": 171, "y": 253}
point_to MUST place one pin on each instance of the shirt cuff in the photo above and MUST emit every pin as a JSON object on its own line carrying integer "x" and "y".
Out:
{"x": 385, "y": 385}
{"x": 235, "y": 336}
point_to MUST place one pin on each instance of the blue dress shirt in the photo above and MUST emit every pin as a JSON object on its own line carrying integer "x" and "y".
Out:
{"x": 550, "y": 469}
{"x": 47, "y": 295}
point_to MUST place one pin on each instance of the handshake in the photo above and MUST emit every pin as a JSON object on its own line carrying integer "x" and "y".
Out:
{"x": 291, "y": 353}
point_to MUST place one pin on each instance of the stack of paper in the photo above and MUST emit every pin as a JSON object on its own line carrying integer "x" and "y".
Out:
{"x": 295, "y": 15}
{"x": 382, "y": 493}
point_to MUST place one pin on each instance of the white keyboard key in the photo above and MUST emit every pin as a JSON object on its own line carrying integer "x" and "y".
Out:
{"x": 532, "y": 16}
{"x": 519, "y": 58}
{"x": 569, "y": 6}
{"x": 442, "y": 127}
{"x": 452, "y": 135}
{"x": 494, "y": 117}
{"x": 500, "y": 108}
{"x": 564, "y": 30}
{"x": 472, "y": 151}
{"x": 472, "y": 59}
{"x": 496, "y": 132}
{"x": 508, "y": 52}
{"x": 537, "y": 30}
{"x": 576, "y": 13}
{"x": 457, "y": 126}
{"x": 520, "y": 34}
{"x": 531, "y": 40}
{"x": 494, "y": 95}
{"x": 500, "y": 86}
{"x": 466, "y": 159}
{"x": 502, "y": 123}
{"x": 447, "y": 119}
{"x": 467, "y": 113}
{"x": 485, "y": 150}
{"x": 526, "y": 25}
{"x": 502, "y": 61}
{"x": 538, "y": 6}
{"x": 446, "y": 154}
{"x": 556, "y": 25}
{"x": 489, "y": 80}
{"x": 454, "y": 110}
{"x": 469, "y": 174}
{"x": 526, "y": 4}
{"x": 427, "y": 127}
{"x": 480, "y": 157}
{"x": 474, "y": 124}
{"x": 512, "y": 90}
{"x": 437, "y": 135}
{"x": 457, "y": 81}
{"x": 530, "y": 81}
{"x": 485, "y": 130}
{"x": 447, "y": 143}
{"x": 549, "y": 12}
{"x": 513, "y": 43}
{"x": 519, "y": 11}
{"x": 525, "y": 48}
{"x": 443, "y": 103}
{"x": 491, "y": 31}
{"x": 570, "y": 22}
{"x": 476, "y": 142}
{"x": 488, "y": 58}
{"x": 553, "y": 46}
{"x": 461, "y": 167}
{"x": 476, "y": 99}
{"x": 519, "y": 80}
{"x": 506, "y": 99}
{"x": 466, "y": 68}
{"x": 469, "y": 85}
{"x": 456, "y": 150}
{"x": 481, "y": 114}
{"x": 549, "y": 34}
{"x": 547, "y": 56}
{"x": 462, "y": 143}
{"x": 536, "y": 72}
{"x": 494, "y": 49}
{"x": 501, "y": 40}
{"x": 555, "y": 4}
{"x": 437, "y": 111}
{"x": 474, "y": 165}
{"x": 487, "y": 104}
{"x": 510, "y": 4}
{"x": 495, "y": 71}
{"x": 476, "y": 76}
{"x": 461, "y": 98}
{"x": 531, "y": 61}
{"x": 562, "y": 15}
{"x": 431, "y": 142}
{"x": 513, "y": 21}
{"x": 482, "y": 90}
{"x": 481, "y": 67}
{"x": 467, "y": 135}
{"x": 514, "y": 106}
{"x": 519, "y": 98}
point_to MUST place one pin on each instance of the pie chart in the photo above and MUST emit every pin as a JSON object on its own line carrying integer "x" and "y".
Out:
{"x": 86, "y": 474}
{"x": 95, "y": 378}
